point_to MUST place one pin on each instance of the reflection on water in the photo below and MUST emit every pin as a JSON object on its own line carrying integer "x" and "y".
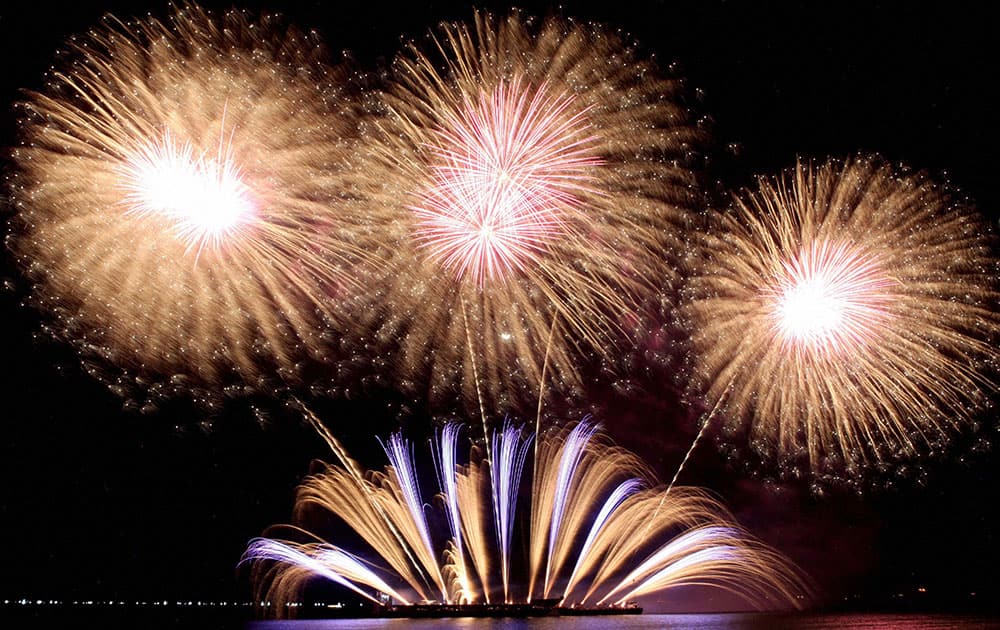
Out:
{"x": 735, "y": 621}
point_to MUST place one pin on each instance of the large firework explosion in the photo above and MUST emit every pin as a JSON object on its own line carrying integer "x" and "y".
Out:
{"x": 600, "y": 533}
{"x": 184, "y": 197}
{"x": 538, "y": 178}
{"x": 846, "y": 314}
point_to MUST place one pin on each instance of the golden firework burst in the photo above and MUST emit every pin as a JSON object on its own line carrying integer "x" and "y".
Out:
{"x": 184, "y": 196}
{"x": 847, "y": 312}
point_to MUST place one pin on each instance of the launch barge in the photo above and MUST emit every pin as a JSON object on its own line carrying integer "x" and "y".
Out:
{"x": 536, "y": 608}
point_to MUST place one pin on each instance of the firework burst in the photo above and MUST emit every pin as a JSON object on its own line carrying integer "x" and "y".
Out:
{"x": 583, "y": 546}
{"x": 183, "y": 196}
{"x": 537, "y": 178}
{"x": 506, "y": 175}
{"x": 846, "y": 313}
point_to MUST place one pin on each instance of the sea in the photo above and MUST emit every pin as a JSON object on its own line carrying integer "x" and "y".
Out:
{"x": 727, "y": 621}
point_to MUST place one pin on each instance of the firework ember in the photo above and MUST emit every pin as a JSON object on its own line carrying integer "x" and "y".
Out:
{"x": 589, "y": 495}
{"x": 537, "y": 176}
{"x": 180, "y": 196}
{"x": 846, "y": 312}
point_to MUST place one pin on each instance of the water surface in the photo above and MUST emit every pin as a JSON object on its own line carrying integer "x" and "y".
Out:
{"x": 730, "y": 621}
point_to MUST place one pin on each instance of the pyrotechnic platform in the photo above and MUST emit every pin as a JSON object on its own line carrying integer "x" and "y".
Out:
{"x": 537, "y": 608}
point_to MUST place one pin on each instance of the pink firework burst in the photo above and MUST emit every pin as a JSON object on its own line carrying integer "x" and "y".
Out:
{"x": 510, "y": 168}
{"x": 831, "y": 298}
{"x": 536, "y": 179}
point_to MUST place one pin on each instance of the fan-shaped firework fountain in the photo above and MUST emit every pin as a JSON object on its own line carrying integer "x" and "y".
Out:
{"x": 846, "y": 311}
{"x": 537, "y": 177}
{"x": 183, "y": 196}
{"x": 587, "y": 498}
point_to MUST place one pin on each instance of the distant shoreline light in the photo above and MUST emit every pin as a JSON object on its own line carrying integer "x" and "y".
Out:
{"x": 167, "y": 603}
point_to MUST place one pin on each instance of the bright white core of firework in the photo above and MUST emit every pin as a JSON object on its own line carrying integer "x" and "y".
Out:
{"x": 830, "y": 297}
{"x": 205, "y": 197}
{"x": 810, "y": 310}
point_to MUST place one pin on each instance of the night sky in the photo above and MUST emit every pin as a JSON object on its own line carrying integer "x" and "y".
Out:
{"x": 100, "y": 501}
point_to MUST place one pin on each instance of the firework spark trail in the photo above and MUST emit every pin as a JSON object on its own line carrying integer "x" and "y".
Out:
{"x": 613, "y": 502}
{"x": 510, "y": 451}
{"x": 445, "y": 457}
{"x": 673, "y": 558}
{"x": 372, "y": 513}
{"x": 400, "y": 454}
{"x": 374, "y": 510}
{"x": 708, "y": 555}
{"x": 846, "y": 312}
{"x": 565, "y": 495}
{"x": 477, "y": 519}
{"x": 543, "y": 496}
{"x": 537, "y": 173}
{"x": 572, "y": 452}
{"x": 180, "y": 195}
{"x": 595, "y": 469}
{"x": 693, "y": 539}
{"x": 327, "y": 561}
{"x": 616, "y": 546}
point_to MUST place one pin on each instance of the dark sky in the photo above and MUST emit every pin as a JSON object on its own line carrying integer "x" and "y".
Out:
{"x": 97, "y": 501}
